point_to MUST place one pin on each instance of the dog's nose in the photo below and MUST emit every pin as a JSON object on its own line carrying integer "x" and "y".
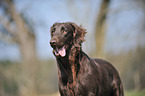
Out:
{"x": 53, "y": 43}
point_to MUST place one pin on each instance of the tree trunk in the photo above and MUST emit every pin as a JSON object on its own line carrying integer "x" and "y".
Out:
{"x": 136, "y": 78}
{"x": 142, "y": 76}
{"x": 100, "y": 29}
{"x": 26, "y": 42}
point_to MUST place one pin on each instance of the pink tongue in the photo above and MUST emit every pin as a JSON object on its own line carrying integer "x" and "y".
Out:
{"x": 62, "y": 52}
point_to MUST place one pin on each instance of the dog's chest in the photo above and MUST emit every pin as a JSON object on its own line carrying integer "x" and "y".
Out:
{"x": 72, "y": 89}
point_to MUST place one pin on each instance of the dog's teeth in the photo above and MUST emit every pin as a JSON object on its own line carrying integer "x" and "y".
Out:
{"x": 56, "y": 53}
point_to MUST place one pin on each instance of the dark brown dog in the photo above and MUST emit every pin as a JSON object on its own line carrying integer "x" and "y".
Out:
{"x": 78, "y": 74}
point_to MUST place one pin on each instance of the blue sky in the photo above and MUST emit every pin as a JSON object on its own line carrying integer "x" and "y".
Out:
{"x": 123, "y": 32}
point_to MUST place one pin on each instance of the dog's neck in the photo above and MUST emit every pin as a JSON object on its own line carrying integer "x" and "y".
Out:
{"x": 69, "y": 66}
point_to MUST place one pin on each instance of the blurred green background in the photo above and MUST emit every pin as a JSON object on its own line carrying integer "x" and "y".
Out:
{"x": 115, "y": 32}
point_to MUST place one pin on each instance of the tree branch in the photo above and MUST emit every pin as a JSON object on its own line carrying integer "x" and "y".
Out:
{"x": 6, "y": 24}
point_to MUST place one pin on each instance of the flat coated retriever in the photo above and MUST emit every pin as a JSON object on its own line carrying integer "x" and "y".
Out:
{"x": 78, "y": 74}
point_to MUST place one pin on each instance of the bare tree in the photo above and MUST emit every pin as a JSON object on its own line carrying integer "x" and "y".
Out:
{"x": 100, "y": 28}
{"x": 23, "y": 36}
{"x": 15, "y": 25}
{"x": 142, "y": 67}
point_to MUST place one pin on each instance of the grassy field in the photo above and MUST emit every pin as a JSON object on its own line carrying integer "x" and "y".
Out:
{"x": 135, "y": 93}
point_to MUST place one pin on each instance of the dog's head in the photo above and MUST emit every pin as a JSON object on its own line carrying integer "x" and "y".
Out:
{"x": 64, "y": 36}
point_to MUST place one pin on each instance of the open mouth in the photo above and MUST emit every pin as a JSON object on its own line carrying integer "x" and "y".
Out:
{"x": 60, "y": 51}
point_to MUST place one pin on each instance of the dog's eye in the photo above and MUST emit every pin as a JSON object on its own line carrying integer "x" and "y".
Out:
{"x": 64, "y": 31}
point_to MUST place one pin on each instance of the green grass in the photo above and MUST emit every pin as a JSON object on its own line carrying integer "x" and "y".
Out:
{"x": 135, "y": 93}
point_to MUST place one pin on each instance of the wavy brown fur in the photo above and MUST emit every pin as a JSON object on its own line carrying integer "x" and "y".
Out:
{"x": 79, "y": 34}
{"x": 78, "y": 74}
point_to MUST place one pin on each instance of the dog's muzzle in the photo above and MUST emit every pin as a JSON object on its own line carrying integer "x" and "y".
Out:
{"x": 60, "y": 51}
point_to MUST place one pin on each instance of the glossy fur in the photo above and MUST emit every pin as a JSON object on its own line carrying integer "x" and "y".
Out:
{"x": 78, "y": 74}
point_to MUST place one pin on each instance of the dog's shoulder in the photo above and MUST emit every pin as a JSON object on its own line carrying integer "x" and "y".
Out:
{"x": 105, "y": 65}
{"x": 101, "y": 61}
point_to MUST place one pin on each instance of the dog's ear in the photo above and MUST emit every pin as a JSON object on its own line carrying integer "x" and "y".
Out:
{"x": 78, "y": 34}
{"x": 74, "y": 29}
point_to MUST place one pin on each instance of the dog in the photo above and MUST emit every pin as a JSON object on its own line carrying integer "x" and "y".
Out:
{"x": 78, "y": 74}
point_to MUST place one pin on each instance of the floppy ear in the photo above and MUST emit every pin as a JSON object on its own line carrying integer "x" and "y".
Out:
{"x": 78, "y": 35}
{"x": 74, "y": 29}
